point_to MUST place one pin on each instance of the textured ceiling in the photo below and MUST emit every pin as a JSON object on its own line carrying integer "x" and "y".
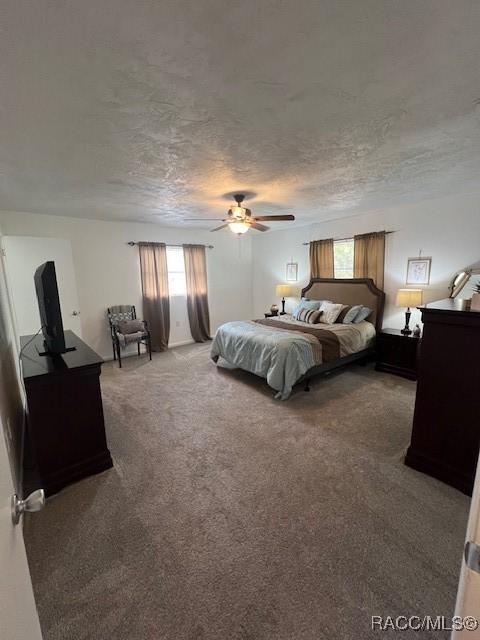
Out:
{"x": 154, "y": 110}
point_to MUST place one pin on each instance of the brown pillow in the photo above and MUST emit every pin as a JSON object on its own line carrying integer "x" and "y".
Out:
{"x": 343, "y": 313}
{"x": 310, "y": 316}
{"x": 130, "y": 326}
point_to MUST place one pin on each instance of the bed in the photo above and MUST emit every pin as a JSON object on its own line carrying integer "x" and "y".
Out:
{"x": 286, "y": 352}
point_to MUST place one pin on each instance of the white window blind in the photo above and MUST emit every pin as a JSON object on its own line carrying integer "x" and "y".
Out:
{"x": 343, "y": 258}
{"x": 176, "y": 271}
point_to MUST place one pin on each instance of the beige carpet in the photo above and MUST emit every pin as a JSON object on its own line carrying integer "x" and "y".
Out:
{"x": 230, "y": 515}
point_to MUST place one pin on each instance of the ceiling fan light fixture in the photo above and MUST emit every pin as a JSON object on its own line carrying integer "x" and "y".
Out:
{"x": 240, "y": 219}
{"x": 237, "y": 212}
{"x": 239, "y": 227}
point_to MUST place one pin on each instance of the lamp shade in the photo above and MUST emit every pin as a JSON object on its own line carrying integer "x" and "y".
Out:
{"x": 409, "y": 297}
{"x": 283, "y": 290}
{"x": 239, "y": 227}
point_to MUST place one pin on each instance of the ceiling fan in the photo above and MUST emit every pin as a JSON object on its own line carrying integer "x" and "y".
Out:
{"x": 239, "y": 219}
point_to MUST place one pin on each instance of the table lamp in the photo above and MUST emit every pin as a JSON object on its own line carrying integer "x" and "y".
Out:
{"x": 409, "y": 298}
{"x": 282, "y": 290}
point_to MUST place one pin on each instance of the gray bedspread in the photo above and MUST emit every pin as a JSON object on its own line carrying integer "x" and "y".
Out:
{"x": 279, "y": 355}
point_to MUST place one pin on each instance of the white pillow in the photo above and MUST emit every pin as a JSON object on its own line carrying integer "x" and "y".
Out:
{"x": 330, "y": 312}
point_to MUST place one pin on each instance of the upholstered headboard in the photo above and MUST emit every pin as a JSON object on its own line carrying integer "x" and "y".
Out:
{"x": 349, "y": 291}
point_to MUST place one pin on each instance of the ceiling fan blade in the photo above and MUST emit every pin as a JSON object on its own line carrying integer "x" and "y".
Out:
{"x": 220, "y": 227}
{"x": 259, "y": 227}
{"x": 203, "y": 219}
{"x": 285, "y": 217}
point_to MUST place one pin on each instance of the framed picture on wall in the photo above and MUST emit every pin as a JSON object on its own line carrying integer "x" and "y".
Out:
{"x": 292, "y": 272}
{"x": 418, "y": 270}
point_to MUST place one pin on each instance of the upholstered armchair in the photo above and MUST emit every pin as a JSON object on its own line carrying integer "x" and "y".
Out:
{"x": 126, "y": 329}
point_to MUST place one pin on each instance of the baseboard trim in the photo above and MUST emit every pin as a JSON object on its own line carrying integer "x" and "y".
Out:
{"x": 182, "y": 343}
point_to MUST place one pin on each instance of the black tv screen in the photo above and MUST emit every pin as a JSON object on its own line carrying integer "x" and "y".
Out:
{"x": 49, "y": 307}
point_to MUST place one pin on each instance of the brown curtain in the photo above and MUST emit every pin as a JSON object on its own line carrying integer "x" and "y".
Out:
{"x": 197, "y": 298}
{"x": 156, "y": 301}
{"x": 369, "y": 257}
{"x": 321, "y": 258}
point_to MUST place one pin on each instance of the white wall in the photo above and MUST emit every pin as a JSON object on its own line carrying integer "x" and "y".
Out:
{"x": 448, "y": 230}
{"x": 108, "y": 270}
{"x": 22, "y": 257}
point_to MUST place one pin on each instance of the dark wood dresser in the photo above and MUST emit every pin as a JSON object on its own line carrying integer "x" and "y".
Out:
{"x": 446, "y": 424}
{"x": 65, "y": 429}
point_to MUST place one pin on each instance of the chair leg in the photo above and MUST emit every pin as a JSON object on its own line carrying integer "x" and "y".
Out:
{"x": 119, "y": 356}
{"x": 114, "y": 350}
{"x": 138, "y": 348}
{"x": 149, "y": 346}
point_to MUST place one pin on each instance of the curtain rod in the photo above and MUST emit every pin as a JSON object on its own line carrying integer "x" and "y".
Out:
{"x": 207, "y": 246}
{"x": 340, "y": 239}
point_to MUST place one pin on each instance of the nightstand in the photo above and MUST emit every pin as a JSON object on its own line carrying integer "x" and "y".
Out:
{"x": 270, "y": 315}
{"x": 397, "y": 353}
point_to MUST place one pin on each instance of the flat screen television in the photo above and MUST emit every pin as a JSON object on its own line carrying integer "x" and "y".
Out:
{"x": 49, "y": 307}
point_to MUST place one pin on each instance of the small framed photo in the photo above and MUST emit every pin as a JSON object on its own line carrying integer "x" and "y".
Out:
{"x": 292, "y": 272}
{"x": 418, "y": 270}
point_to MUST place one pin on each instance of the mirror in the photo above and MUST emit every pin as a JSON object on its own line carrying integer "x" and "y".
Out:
{"x": 465, "y": 283}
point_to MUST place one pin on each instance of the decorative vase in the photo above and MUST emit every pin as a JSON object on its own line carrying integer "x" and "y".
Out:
{"x": 274, "y": 310}
{"x": 475, "y": 304}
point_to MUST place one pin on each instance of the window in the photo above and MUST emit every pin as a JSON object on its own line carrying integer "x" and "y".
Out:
{"x": 343, "y": 258}
{"x": 177, "y": 284}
